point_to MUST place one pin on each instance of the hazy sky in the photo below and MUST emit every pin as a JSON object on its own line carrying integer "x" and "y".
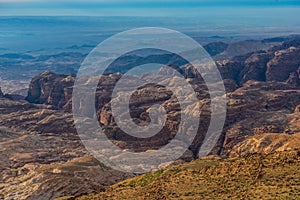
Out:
{"x": 135, "y": 7}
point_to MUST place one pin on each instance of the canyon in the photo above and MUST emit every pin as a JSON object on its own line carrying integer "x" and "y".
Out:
{"x": 41, "y": 152}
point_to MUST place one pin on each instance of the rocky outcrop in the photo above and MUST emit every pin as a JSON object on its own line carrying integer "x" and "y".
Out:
{"x": 283, "y": 63}
{"x": 40, "y": 149}
{"x": 277, "y": 64}
{"x": 268, "y": 103}
{"x": 293, "y": 79}
{"x": 255, "y": 67}
{"x": 297, "y": 109}
{"x": 259, "y": 109}
{"x": 72, "y": 178}
{"x": 41, "y": 155}
{"x": 52, "y": 89}
{"x": 254, "y": 109}
{"x": 262, "y": 117}
{"x": 248, "y": 99}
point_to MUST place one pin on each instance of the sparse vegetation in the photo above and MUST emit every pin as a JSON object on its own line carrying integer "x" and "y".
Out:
{"x": 253, "y": 176}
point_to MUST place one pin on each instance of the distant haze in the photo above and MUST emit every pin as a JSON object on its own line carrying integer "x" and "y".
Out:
{"x": 25, "y": 34}
{"x": 27, "y": 25}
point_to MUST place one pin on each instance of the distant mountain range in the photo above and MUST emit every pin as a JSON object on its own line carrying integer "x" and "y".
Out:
{"x": 17, "y": 69}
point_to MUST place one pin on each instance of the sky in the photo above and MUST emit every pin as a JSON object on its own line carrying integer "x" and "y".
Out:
{"x": 133, "y": 7}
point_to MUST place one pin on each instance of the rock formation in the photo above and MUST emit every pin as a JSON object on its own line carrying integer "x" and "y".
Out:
{"x": 275, "y": 95}
{"x": 40, "y": 146}
{"x": 1, "y": 93}
{"x": 52, "y": 89}
{"x": 283, "y": 63}
{"x": 276, "y": 64}
{"x": 41, "y": 155}
{"x": 215, "y": 48}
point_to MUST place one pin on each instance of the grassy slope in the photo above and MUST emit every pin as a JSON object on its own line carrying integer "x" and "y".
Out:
{"x": 255, "y": 176}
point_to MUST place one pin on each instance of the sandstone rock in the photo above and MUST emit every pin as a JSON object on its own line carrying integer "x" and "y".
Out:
{"x": 41, "y": 154}
{"x": 50, "y": 88}
{"x": 280, "y": 64}
{"x": 294, "y": 80}
{"x": 276, "y": 64}
{"x": 255, "y": 67}
{"x": 297, "y": 109}
{"x": 253, "y": 100}
{"x": 284, "y": 63}
{"x": 75, "y": 177}
{"x": 257, "y": 109}
{"x": 231, "y": 69}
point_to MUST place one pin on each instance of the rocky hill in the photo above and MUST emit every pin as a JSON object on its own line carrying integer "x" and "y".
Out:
{"x": 40, "y": 147}
{"x": 52, "y": 89}
{"x": 277, "y": 64}
{"x": 280, "y": 64}
{"x": 253, "y": 176}
{"x": 42, "y": 156}
{"x": 271, "y": 102}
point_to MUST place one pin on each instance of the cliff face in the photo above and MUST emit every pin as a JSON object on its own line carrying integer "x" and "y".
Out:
{"x": 262, "y": 114}
{"x": 279, "y": 64}
{"x": 276, "y": 64}
{"x": 41, "y": 156}
{"x": 40, "y": 149}
{"x": 284, "y": 62}
{"x": 254, "y": 109}
{"x": 40, "y": 146}
{"x": 270, "y": 101}
{"x": 52, "y": 89}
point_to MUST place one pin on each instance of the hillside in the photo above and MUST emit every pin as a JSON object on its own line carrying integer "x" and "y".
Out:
{"x": 39, "y": 145}
{"x": 253, "y": 176}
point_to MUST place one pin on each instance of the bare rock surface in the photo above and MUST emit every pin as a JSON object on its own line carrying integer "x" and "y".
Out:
{"x": 41, "y": 153}
{"x": 50, "y": 88}
{"x": 276, "y": 64}
{"x": 41, "y": 156}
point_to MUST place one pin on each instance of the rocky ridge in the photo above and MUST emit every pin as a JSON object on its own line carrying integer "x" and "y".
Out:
{"x": 272, "y": 100}
{"x": 40, "y": 146}
{"x": 41, "y": 155}
{"x": 277, "y": 64}
{"x": 280, "y": 64}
